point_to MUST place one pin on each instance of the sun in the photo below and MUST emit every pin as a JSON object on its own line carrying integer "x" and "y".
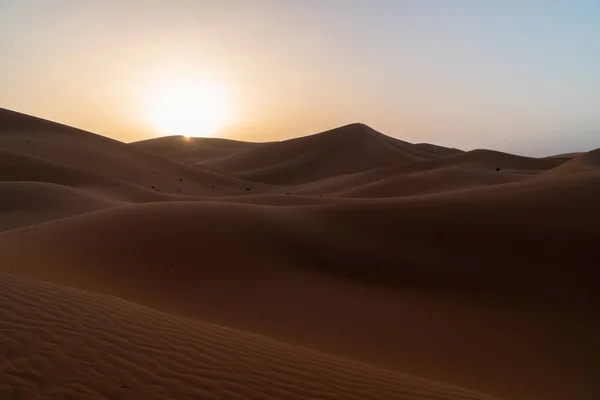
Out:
{"x": 188, "y": 107}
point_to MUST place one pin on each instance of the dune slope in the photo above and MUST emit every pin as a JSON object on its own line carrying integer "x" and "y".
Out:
{"x": 583, "y": 162}
{"x": 351, "y": 148}
{"x": 222, "y": 262}
{"x": 439, "y": 150}
{"x": 192, "y": 150}
{"x": 28, "y": 203}
{"x": 111, "y": 159}
{"x": 62, "y": 343}
{"x": 411, "y": 184}
{"x": 446, "y": 173}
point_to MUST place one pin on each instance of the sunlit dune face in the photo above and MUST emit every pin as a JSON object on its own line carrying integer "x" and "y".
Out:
{"x": 187, "y": 107}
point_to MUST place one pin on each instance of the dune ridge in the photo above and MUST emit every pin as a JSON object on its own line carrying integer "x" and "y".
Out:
{"x": 319, "y": 156}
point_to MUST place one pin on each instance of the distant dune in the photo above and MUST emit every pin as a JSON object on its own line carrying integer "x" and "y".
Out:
{"x": 439, "y": 150}
{"x": 565, "y": 156}
{"x": 70, "y": 147}
{"x": 348, "y": 149}
{"x": 193, "y": 150}
{"x": 580, "y": 163}
{"x": 456, "y": 171}
{"x": 340, "y": 265}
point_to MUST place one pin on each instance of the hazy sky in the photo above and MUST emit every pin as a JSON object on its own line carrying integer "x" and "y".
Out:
{"x": 515, "y": 75}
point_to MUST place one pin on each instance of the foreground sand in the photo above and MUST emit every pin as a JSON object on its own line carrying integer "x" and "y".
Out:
{"x": 475, "y": 269}
{"x": 68, "y": 344}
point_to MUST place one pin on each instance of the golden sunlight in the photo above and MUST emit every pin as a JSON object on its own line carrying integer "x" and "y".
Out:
{"x": 188, "y": 107}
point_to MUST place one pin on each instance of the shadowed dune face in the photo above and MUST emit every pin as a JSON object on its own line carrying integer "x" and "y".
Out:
{"x": 27, "y": 203}
{"x": 472, "y": 268}
{"x": 480, "y": 220}
{"x": 438, "y": 150}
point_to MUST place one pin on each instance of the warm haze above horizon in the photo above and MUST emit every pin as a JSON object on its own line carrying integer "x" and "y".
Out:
{"x": 515, "y": 76}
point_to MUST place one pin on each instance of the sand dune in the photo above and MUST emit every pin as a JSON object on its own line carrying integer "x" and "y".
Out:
{"x": 492, "y": 210}
{"x": 199, "y": 151}
{"x": 493, "y": 160}
{"x": 439, "y": 180}
{"x": 27, "y": 203}
{"x": 471, "y": 268}
{"x": 356, "y": 148}
{"x": 23, "y": 167}
{"x": 268, "y": 259}
{"x": 583, "y": 162}
{"x": 18, "y": 167}
{"x": 438, "y": 150}
{"x": 339, "y": 151}
{"x": 193, "y": 150}
{"x": 566, "y": 156}
{"x": 453, "y": 172}
{"x": 64, "y": 343}
{"x": 108, "y": 158}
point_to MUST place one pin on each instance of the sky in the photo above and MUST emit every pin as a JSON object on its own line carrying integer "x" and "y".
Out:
{"x": 521, "y": 76}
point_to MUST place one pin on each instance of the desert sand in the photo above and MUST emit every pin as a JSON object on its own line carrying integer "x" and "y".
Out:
{"x": 342, "y": 265}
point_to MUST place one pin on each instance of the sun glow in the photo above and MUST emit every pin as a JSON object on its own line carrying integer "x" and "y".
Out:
{"x": 188, "y": 107}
